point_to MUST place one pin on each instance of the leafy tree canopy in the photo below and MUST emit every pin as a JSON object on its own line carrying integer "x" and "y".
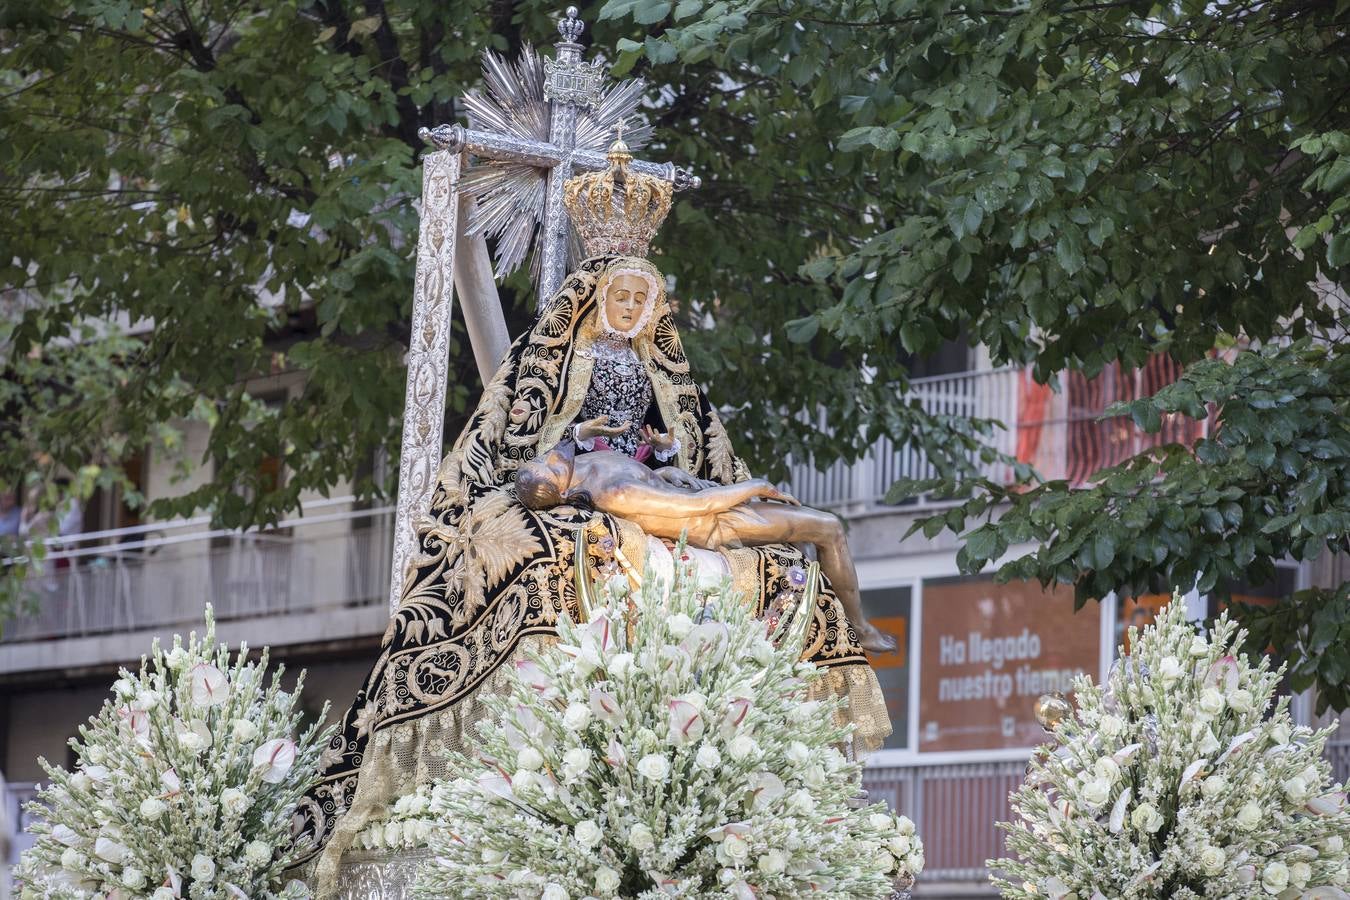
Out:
{"x": 1070, "y": 185}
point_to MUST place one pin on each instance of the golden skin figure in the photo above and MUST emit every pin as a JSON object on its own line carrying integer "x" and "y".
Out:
{"x": 666, "y": 503}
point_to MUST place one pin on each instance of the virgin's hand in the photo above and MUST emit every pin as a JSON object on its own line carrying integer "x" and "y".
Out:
{"x": 677, "y": 477}
{"x": 661, "y": 442}
{"x": 599, "y": 427}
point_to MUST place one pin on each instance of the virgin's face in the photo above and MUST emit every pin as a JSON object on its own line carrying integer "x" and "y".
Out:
{"x": 624, "y": 301}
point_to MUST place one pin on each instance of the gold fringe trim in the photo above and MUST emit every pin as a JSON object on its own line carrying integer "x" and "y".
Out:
{"x": 403, "y": 757}
{"x": 866, "y": 707}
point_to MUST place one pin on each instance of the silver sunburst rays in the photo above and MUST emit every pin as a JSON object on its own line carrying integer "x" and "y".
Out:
{"x": 509, "y": 194}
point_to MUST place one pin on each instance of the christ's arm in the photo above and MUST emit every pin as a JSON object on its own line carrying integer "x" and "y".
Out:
{"x": 630, "y": 499}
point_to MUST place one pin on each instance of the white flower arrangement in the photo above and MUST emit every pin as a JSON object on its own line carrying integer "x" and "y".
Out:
{"x": 665, "y": 748}
{"x": 407, "y": 827}
{"x": 186, "y": 785}
{"x": 1174, "y": 782}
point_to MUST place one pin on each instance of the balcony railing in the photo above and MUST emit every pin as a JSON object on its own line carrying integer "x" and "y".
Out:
{"x": 159, "y": 576}
{"x": 1061, "y": 434}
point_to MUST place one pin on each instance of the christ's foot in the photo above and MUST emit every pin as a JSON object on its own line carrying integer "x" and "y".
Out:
{"x": 873, "y": 639}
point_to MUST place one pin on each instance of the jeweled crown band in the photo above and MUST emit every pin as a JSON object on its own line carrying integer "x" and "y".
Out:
{"x": 617, "y": 211}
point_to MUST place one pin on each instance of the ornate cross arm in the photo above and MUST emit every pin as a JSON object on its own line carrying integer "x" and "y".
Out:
{"x": 544, "y": 154}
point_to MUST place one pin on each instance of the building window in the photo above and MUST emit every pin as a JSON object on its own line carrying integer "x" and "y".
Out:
{"x": 889, "y": 609}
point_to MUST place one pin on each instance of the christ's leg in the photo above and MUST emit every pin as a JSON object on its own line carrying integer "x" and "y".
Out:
{"x": 788, "y": 524}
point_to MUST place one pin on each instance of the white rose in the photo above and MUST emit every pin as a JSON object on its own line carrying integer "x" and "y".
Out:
{"x": 123, "y": 688}
{"x": 147, "y": 700}
{"x": 393, "y": 834}
{"x": 522, "y": 781}
{"x": 881, "y": 821}
{"x": 679, "y": 625}
{"x": 176, "y": 658}
{"x": 640, "y": 838}
{"x": 80, "y": 782}
{"x": 773, "y": 862}
{"x": 900, "y": 845}
{"x": 1096, "y": 792}
{"x": 1333, "y": 845}
{"x": 203, "y": 868}
{"x": 192, "y": 741}
{"x": 1296, "y": 789}
{"x": 1211, "y": 702}
{"x": 71, "y": 858}
{"x": 708, "y": 758}
{"x": 1212, "y": 859}
{"x": 529, "y": 759}
{"x": 884, "y": 861}
{"x": 588, "y": 834}
{"x": 152, "y": 808}
{"x": 234, "y": 801}
{"x": 1213, "y": 787}
{"x": 743, "y": 747}
{"x": 554, "y": 891}
{"x": 93, "y": 754}
{"x": 244, "y": 730}
{"x": 1146, "y": 818}
{"x": 1299, "y": 874}
{"x": 577, "y": 716}
{"x": 1111, "y": 726}
{"x": 1275, "y": 877}
{"x": 259, "y": 853}
{"x": 1199, "y": 646}
{"x": 1107, "y": 770}
{"x": 575, "y": 762}
{"x": 1169, "y": 670}
{"x": 798, "y": 753}
{"x": 1280, "y": 734}
{"x": 606, "y": 880}
{"x": 1249, "y": 816}
{"x": 813, "y": 777}
{"x": 621, "y": 666}
{"x": 904, "y": 825}
{"x": 654, "y": 767}
{"x": 736, "y": 848}
{"x": 1241, "y": 700}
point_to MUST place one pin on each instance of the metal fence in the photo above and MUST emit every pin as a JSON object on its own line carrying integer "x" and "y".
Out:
{"x": 151, "y": 577}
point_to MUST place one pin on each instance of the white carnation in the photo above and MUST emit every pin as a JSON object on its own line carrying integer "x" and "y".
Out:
{"x": 1211, "y": 702}
{"x": 798, "y": 753}
{"x": 736, "y": 848}
{"x": 1249, "y": 816}
{"x": 1111, "y": 726}
{"x": 772, "y": 863}
{"x": 529, "y": 759}
{"x": 743, "y": 747}
{"x": 654, "y": 766}
{"x": 621, "y": 666}
{"x": 1241, "y": 700}
{"x": 554, "y": 891}
{"x": 1170, "y": 670}
{"x": 1212, "y": 859}
{"x": 234, "y": 801}
{"x": 71, "y": 858}
{"x": 708, "y": 758}
{"x": 258, "y": 853}
{"x": 575, "y": 762}
{"x": 1199, "y": 646}
{"x": 577, "y": 716}
{"x": 244, "y": 730}
{"x": 679, "y": 625}
{"x": 152, "y": 808}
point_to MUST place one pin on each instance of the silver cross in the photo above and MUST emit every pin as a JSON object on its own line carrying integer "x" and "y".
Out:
{"x": 539, "y": 121}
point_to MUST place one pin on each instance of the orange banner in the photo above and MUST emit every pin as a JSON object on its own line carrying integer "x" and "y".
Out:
{"x": 988, "y": 651}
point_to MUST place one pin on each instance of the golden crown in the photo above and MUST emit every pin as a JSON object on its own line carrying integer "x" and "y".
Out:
{"x": 620, "y": 225}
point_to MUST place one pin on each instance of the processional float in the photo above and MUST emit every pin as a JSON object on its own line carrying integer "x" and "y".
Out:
{"x": 536, "y": 123}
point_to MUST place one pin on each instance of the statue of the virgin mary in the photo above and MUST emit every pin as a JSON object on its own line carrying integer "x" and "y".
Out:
{"x": 604, "y": 362}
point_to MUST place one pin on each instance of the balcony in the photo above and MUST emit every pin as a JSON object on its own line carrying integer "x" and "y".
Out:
{"x": 1059, "y": 433}
{"x": 320, "y": 577}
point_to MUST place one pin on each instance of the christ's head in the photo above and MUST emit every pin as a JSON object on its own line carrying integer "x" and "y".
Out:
{"x": 544, "y": 482}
